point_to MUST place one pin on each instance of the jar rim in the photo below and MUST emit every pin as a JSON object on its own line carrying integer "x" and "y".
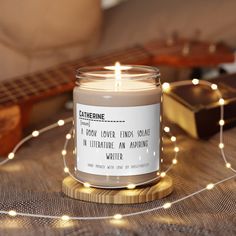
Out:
{"x": 127, "y": 72}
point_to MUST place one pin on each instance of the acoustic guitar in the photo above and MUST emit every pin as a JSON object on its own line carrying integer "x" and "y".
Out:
{"x": 18, "y": 95}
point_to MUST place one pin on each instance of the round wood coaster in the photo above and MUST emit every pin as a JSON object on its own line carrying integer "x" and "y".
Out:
{"x": 76, "y": 190}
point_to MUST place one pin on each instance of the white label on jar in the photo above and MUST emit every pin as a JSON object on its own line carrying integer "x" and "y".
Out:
{"x": 118, "y": 141}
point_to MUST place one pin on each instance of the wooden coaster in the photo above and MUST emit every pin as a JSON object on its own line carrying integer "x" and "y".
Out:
{"x": 76, "y": 190}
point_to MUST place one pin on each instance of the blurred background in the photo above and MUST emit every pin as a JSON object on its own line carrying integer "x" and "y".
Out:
{"x": 38, "y": 34}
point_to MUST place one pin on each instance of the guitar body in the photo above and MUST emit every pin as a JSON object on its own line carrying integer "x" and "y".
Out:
{"x": 10, "y": 128}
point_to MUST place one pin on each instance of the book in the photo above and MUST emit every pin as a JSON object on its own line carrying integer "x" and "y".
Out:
{"x": 196, "y": 109}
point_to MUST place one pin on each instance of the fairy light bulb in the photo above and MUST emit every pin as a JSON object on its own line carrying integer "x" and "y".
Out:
{"x": 131, "y": 186}
{"x": 166, "y": 129}
{"x": 68, "y": 136}
{"x": 221, "y": 101}
{"x": 87, "y": 185}
{"x": 63, "y": 152}
{"x": 11, "y": 155}
{"x": 65, "y": 217}
{"x": 66, "y": 169}
{"x": 166, "y": 87}
{"x": 12, "y": 213}
{"x": 61, "y": 122}
{"x": 35, "y": 133}
{"x": 173, "y": 138}
{"x": 221, "y": 145}
{"x": 174, "y": 161}
{"x": 163, "y": 174}
{"x": 167, "y": 205}
{"x": 210, "y": 186}
{"x": 221, "y": 122}
{"x": 195, "y": 81}
{"x": 176, "y": 149}
{"x": 117, "y": 216}
{"x": 214, "y": 87}
{"x": 228, "y": 165}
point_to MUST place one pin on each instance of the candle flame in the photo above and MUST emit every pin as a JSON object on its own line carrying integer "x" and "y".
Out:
{"x": 117, "y": 68}
{"x": 117, "y": 71}
{"x": 117, "y": 76}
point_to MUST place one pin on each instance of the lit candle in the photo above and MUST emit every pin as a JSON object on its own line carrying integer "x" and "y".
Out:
{"x": 117, "y": 111}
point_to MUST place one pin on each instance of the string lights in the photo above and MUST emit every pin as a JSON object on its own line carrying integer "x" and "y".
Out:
{"x": 166, "y": 88}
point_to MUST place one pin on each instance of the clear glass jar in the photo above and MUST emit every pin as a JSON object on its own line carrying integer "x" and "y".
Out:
{"x": 117, "y": 114}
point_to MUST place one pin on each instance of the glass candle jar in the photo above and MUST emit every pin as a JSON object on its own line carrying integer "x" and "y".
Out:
{"x": 117, "y": 116}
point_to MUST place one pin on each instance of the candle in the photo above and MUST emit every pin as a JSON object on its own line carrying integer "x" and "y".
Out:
{"x": 117, "y": 113}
